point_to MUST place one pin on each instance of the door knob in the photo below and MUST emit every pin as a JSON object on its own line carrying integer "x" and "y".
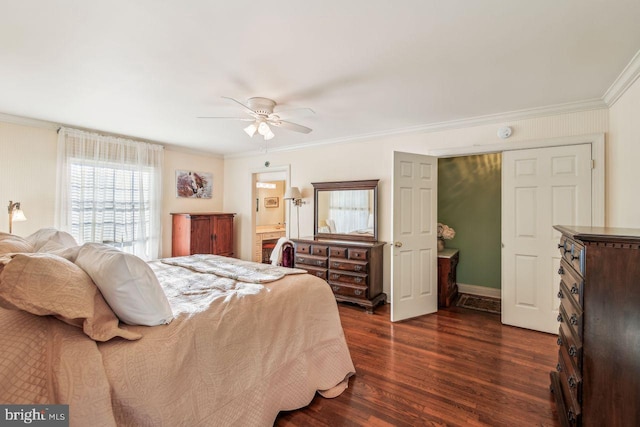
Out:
{"x": 398, "y": 244}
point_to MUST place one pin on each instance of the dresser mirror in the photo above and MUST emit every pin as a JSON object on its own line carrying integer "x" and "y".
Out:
{"x": 346, "y": 210}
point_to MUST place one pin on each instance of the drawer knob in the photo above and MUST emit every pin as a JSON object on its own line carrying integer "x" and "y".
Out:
{"x": 336, "y": 264}
{"x": 358, "y": 268}
{"x": 319, "y": 273}
{"x": 561, "y": 270}
{"x": 573, "y": 351}
{"x": 559, "y": 367}
{"x": 560, "y": 246}
{"x": 335, "y": 288}
{"x": 574, "y": 290}
{"x": 560, "y": 294}
{"x": 357, "y": 292}
{"x": 574, "y": 257}
{"x": 559, "y": 341}
{"x": 572, "y": 382}
{"x": 559, "y": 318}
{"x": 358, "y": 280}
{"x": 573, "y": 320}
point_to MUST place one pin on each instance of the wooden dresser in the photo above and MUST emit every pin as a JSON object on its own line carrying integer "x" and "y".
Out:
{"x": 202, "y": 233}
{"x": 597, "y": 379}
{"x": 352, "y": 269}
{"x": 447, "y": 281}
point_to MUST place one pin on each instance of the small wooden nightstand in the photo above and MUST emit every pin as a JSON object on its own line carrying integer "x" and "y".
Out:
{"x": 447, "y": 284}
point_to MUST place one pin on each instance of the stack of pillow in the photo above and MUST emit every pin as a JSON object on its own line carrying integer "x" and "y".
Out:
{"x": 93, "y": 286}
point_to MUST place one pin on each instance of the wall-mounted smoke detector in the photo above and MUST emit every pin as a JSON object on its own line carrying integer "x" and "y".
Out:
{"x": 504, "y": 132}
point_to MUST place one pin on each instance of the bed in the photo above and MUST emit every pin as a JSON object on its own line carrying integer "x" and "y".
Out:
{"x": 246, "y": 341}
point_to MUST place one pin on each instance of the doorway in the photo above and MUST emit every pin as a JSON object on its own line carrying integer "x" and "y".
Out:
{"x": 269, "y": 213}
{"x": 596, "y": 142}
{"x": 469, "y": 200}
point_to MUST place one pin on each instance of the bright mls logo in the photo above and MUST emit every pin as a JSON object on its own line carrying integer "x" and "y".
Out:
{"x": 36, "y": 415}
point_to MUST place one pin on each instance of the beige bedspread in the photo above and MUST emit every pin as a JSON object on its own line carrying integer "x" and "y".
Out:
{"x": 236, "y": 354}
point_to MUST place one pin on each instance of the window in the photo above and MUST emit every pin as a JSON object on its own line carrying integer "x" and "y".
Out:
{"x": 109, "y": 203}
{"x": 109, "y": 191}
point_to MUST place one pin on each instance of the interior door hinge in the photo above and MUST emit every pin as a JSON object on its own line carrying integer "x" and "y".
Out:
{"x": 593, "y": 164}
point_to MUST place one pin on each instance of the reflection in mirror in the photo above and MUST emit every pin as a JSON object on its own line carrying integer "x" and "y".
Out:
{"x": 346, "y": 210}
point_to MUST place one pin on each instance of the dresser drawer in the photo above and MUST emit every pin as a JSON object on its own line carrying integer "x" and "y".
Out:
{"x": 303, "y": 248}
{"x": 572, "y": 252}
{"x": 360, "y": 254}
{"x": 319, "y": 250}
{"x": 340, "y": 264}
{"x": 312, "y": 260}
{"x": 573, "y": 346}
{"x": 338, "y": 252}
{"x": 573, "y": 281}
{"x": 315, "y": 271}
{"x": 570, "y": 316}
{"x": 571, "y": 379}
{"x": 348, "y": 278}
{"x": 571, "y": 404}
{"x": 273, "y": 235}
{"x": 352, "y": 291}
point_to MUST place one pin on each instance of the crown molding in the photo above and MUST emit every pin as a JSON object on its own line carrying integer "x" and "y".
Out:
{"x": 627, "y": 77}
{"x": 532, "y": 113}
{"x": 26, "y": 121}
{"x": 43, "y": 124}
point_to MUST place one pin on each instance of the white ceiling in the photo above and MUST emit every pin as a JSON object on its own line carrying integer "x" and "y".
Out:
{"x": 148, "y": 68}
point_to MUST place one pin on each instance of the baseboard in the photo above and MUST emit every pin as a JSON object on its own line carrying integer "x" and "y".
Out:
{"x": 479, "y": 290}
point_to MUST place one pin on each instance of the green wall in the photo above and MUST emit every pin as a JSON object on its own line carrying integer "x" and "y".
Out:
{"x": 469, "y": 199}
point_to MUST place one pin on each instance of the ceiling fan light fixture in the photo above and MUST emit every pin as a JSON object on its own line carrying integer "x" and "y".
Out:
{"x": 265, "y": 131}
{"x": 261, "y": 112}
{"x": 251, "y": 129}
{"x": 263, "y": 128}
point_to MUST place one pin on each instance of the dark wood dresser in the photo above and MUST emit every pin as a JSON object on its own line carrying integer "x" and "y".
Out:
{"x": 352, "y": 269}
{"x": 202, "y": 233}
{"x": 447, "y": 281}
{"x": 597, "y": 379}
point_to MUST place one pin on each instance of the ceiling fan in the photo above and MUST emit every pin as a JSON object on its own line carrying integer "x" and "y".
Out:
{"x": 262, "y": 115}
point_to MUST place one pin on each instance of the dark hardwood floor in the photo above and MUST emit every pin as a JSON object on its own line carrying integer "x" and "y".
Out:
{"x": 458, "y": 367}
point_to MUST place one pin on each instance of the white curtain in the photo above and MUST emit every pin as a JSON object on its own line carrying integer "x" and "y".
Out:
{"x": 349, "y": 209}
{"x": 109, "y": 190}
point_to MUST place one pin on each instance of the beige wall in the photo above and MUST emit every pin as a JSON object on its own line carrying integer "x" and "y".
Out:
{"x": 271, "y": 216}
{"x": 374, "y": 159}
{"x": 28, "y": 176}
{"x": 177, "y": 160}
{"x": 623, "y": 161}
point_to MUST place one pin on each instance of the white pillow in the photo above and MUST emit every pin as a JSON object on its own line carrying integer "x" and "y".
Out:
{"x": 127, "y": 283}
{"x": 46, "y": 235}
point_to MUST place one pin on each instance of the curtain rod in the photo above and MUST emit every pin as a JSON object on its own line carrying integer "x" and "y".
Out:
{"x": 113, "y": 135}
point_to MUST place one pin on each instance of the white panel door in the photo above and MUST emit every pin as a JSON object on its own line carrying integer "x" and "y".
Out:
{"x": 541, "y": 188}
{"x": 414, "y": 264}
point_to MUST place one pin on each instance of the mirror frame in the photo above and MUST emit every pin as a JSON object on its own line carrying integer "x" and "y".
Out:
{"x": 369, "y": 184}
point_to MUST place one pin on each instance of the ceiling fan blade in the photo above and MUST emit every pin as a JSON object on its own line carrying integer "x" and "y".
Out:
{"x": 291, "y": 126}
{"x": 244, "y": 119}
{"x": 246, "y": 109}
{"x": 290, "y": 112}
